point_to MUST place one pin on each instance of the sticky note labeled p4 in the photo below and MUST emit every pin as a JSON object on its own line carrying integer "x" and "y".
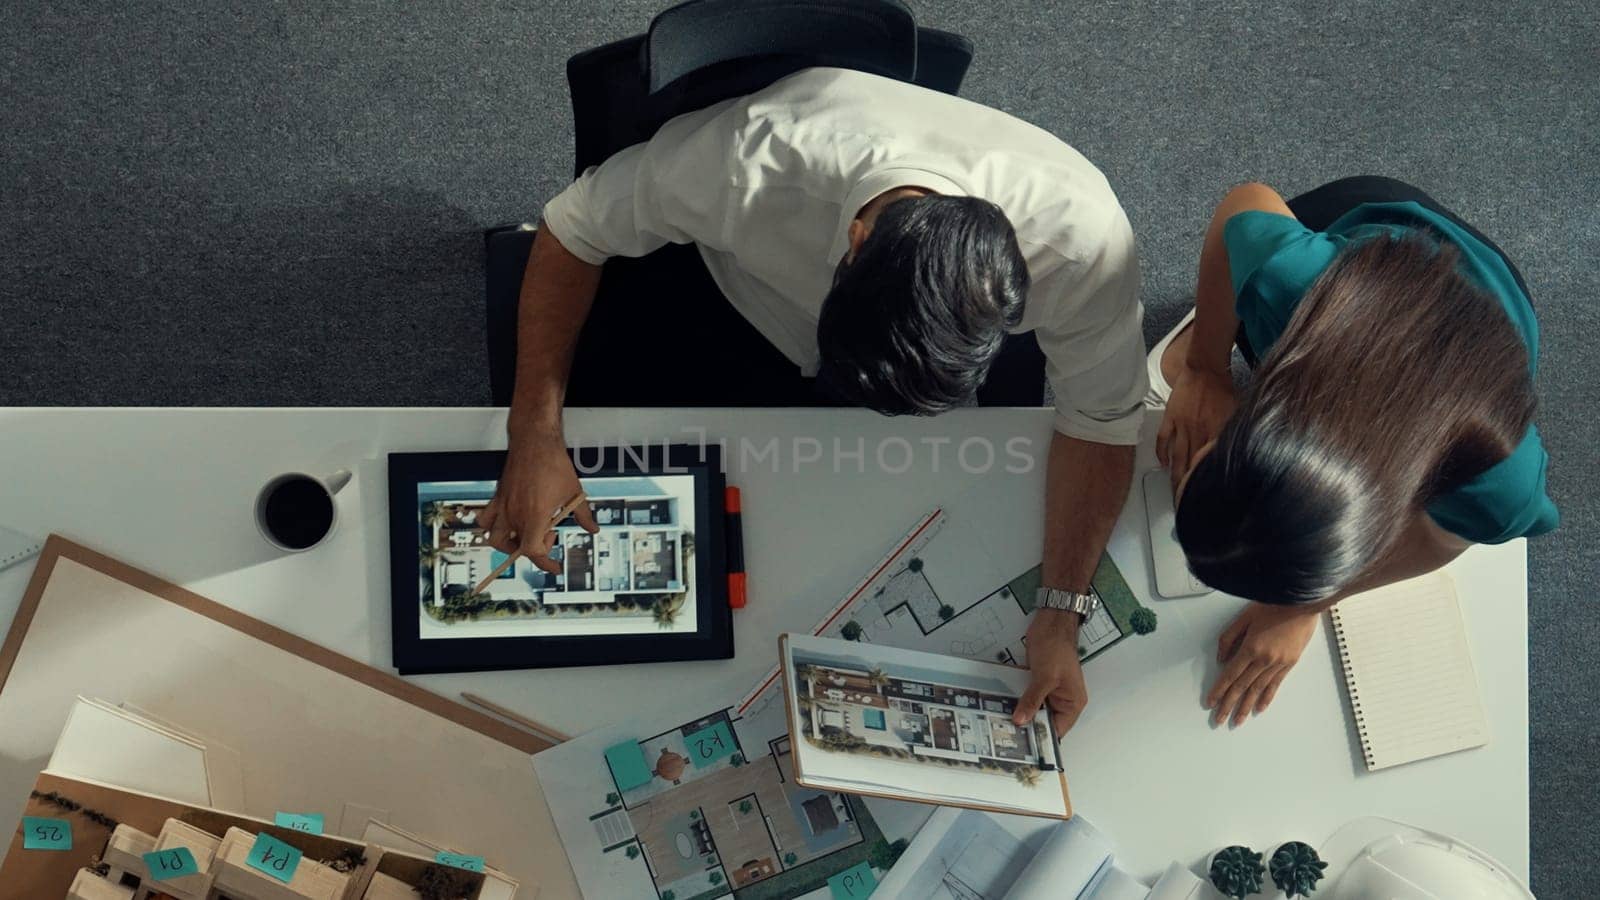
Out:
{"x": 39, "y": 833}
{"x": 273, "y": 857}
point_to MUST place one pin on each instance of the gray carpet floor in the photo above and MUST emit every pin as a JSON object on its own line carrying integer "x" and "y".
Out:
{"x": 280, "y": 203}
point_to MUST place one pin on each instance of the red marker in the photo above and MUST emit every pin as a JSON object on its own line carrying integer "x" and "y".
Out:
{"x": 736, "y": 579}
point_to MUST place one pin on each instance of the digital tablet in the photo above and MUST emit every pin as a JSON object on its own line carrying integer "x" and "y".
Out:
{"x": 650, "y": 586}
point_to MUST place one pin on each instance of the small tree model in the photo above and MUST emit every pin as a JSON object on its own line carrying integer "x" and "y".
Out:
{"x": 789, "y": 859}
{"x": 745, "y": 807}
{"x": 1143, "y": 620}
{"x": 1236, "y": 872}
{"x": 884, "y": 855}
{"x": 716, "y": 877}
{"x": 1296, "y": 868}
{"x": 946, "y": 611}
{"x": 1027, "y": 776}
{"x": 736, "y": 760}
{"x": 915, "y": 564}
{"x": 851, "y": 631}
{"x": 633, "y": 851}
{"x": 612, "y": 799}
{"x": 668, "y": 895}
{"x": 666, "y": 610}
{"x": 878, "y": 677}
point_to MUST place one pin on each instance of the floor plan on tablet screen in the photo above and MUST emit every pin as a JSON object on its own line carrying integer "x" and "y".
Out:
{"x": 631, "y": 577}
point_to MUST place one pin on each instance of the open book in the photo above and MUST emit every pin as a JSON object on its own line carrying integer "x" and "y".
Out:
{"x": 965, "y": 854}
{"x": 885, "y": 722}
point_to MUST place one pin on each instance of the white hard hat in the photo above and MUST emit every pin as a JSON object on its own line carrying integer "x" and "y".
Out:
{"x": 1379, "y": 859}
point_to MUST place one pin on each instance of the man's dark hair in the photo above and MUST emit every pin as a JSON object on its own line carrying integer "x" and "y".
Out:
{"x": 1396, "y": 381}
{"x": 914, "y": 321}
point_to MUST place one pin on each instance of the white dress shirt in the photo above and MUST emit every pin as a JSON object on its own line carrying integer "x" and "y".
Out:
{"x": 766, "y": 186}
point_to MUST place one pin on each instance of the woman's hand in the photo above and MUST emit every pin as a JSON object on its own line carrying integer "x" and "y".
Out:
{"x": 1257, "y": 651}
{"x": 1201, "y": 402}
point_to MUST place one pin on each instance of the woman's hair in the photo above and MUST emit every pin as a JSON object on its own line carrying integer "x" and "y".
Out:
{"x": 1396, "y": 380}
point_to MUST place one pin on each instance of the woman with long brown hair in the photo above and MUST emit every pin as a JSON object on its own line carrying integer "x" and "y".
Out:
{"x": 1387, "y": 425}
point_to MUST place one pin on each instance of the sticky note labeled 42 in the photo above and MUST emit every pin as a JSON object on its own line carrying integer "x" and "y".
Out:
{"x": 273, "y": 857}
{"x": 40, "y": 833}
{"x": 460, "y": 861}
{"x": 310, "y": 823}
{"x": 174, "y": 862}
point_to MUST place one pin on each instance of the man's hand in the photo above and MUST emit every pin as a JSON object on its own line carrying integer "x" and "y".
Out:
{"x": 1257, "y": 651}
{"x": 1057, "y": 673}
{"x": 1201, "y": 402}
{"x": 538, "y": 478}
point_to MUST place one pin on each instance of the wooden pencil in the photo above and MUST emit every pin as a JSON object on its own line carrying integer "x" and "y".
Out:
{"x": 525, "y": 722}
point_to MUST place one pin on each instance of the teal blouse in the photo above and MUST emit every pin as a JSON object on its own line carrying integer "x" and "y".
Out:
{"x": 1274, "y": 260}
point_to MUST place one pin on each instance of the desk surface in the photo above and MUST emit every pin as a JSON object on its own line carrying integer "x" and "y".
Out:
{"x": 826, "y": 493}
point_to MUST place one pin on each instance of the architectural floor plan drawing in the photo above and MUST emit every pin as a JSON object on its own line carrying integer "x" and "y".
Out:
{"x": 707, "y": 808}
{"x": 937, "y": 591}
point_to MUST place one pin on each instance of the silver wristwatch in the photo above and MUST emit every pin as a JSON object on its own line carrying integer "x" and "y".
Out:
{"x": 1053, "y": 598}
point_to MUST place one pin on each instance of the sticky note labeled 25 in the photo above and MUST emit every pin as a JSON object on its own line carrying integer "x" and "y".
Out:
{"x": 460, "y": 861}
{"x": 273, "y": 857}
{"x": 174, "y": 862}
{"x": 46, "y": 834}
{"x": 310, "y": 823}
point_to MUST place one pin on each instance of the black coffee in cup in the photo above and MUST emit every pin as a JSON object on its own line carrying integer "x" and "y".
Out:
{"x": 297, "y": 512}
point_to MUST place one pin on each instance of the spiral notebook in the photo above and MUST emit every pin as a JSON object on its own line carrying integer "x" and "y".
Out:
{"x": 16, "y": 547}
{"x": 1408, "y": 668}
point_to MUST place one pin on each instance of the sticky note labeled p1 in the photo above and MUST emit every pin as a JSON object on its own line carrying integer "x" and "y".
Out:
{"x": 46, "y": 834}
{"x": 273, "y": 857}
{"x": 854, "y": 883}
{"x": 460, "y": 861}
{"x": 174, "y": 862}
{"x": 310, "y": 823}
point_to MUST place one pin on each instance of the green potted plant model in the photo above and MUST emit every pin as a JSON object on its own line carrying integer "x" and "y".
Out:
{"x": 851, "y": 631}
{"x": 1236, "y": 872}
{"x": 1296, "y": 868}
{"x": 1142, "y": 620}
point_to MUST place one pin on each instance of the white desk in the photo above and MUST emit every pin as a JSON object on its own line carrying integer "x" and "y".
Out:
{"x": 171, "y": 491}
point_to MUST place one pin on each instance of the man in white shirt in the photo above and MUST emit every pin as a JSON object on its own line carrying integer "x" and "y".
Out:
{"x": 885, "y": 238}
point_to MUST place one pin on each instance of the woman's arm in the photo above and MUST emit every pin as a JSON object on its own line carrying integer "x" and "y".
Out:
{"x": 1266, "y": 640}
{"x": 1202, "y": 391}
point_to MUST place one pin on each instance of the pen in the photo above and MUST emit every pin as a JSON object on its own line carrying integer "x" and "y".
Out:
{"x": 736, "y": 573}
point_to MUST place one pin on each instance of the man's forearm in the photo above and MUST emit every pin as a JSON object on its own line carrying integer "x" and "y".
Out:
{"x": 557, "y": 292}
{"x": 1085, "y": 486}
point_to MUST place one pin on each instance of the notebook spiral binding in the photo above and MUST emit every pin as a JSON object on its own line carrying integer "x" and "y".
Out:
{"x": 1350, "y": 683}
{"x": 16, "y": 547}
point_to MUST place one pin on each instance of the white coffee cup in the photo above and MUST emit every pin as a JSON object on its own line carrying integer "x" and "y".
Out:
{"x": 296, "y": 511}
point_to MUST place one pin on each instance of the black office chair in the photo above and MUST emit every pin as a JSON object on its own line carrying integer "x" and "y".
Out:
{"x": 694, "y": 55}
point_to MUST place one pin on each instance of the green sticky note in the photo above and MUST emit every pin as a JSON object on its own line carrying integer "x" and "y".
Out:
{"x": 627, "y": 765}
{"x": 710, "y": 744}
{"x": 853, "y": 883}
{"x": 460, "y": 861}
{"x": 175, "y": 862}
{"x": 273, "y": 857}
{"x": 310, "y": 823}
{"x": 46, "y": 834}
